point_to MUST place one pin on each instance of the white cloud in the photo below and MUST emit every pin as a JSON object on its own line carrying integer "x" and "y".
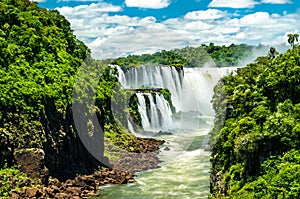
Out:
{"x": 113, "y": 35}
{"x": 148, "y": 40}
{"x": 90, "y": 11}
{"x": 38, "y": 1}
{"x": 258, "y": 18}
{"x": 233, "y": 4}
{"x": 276, "y": 1}
{"x": 243, "y": 3}
{"x": 205, "y": 14}
{"x": 153, "y": 4}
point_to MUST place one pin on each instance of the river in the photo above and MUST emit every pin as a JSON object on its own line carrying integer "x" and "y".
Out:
{"x": 184, "y": 170}
{"x": 183, "y": 173}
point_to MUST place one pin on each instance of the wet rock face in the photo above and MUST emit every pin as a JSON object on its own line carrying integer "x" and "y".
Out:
{"x": 31, "y": 162}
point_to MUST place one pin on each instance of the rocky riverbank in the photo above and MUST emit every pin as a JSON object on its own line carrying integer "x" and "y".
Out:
{"x": 140, "y": 155}
{"x": 143, "y": 156}
{"x": 81, "y": 187}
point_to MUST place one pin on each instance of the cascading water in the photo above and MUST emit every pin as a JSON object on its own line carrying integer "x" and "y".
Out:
{"x": 121, "y": 77}
{"x": 143, "y": 112}
{"x": 156, "y": 118}
{"x": 191, "y": 91}
{"x": 165, "y": 111}
{"x": 184, "y": 171}
{"x": 154, "y": 77}
{"x": 195, "y": 93}
{"x": 159, "y": 116}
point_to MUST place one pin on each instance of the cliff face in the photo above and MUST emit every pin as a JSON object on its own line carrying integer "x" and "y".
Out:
{"x": 40, "y": 57}
{"x": 66, "y": 155}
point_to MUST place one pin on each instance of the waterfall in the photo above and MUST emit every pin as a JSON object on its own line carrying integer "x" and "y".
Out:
{"x": 184, "y": 170}
{"x": 143, "y": 112}
{"x": 165, "y": 111}
{"x": 158, "y": 116}
{"x": 191, "y": 91}
{"x": 130, "y": 127}
{"x": 153, "y": 77}
{"x": 121, "y": 76}
{"x": 195, "y": 92}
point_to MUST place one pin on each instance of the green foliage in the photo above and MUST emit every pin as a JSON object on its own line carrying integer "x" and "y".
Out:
{"x": 279, "y": 178}
{"x": 292, "y": 38}
{"x": 98, "y": 87}
{"x": 12, "y": 179}
{"x": 40, "y": 60}
{"x": 228, "y": 55}
{"x": 257, "y": 123}
{"x": 195, "y": 57}
{"x": 134, "y": 111}
{"x": 39, "y": 57}
{"x": 164, "y": 58}
{"x": 121, "y": 140}
{"x": 189, "y": 56}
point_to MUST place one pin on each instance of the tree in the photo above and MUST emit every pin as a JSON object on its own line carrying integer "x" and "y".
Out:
{"x": 292, "y": 38}
{"x": 272, "y": 53}
{"x": 39, "y": 59}
{"x": 255, "y": 151}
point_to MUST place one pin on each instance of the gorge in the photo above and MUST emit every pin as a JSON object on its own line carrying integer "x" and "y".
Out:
{"x": 184, "y": 171}
{"x": 238, "y": 137}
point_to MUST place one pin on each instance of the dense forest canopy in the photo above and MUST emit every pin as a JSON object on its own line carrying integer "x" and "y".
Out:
{"x": 204, "y": 55}
{"x": 39, "y": 59}
{"x": 256, "y": 137}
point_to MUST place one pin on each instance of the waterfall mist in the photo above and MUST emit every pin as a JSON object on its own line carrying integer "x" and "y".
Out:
{"x": 191, "y": 92}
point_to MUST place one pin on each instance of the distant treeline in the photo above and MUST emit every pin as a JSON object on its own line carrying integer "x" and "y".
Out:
{"x": 219, "y": 56}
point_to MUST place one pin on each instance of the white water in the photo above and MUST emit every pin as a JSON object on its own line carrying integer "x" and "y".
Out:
{"x": 165, "y": 111}
{"x": 191, "y": 91}
{"x": 184, "y": 172}
{"x": 154, "y": 77}
{"x": 143, "y": 112}
{"x": 159, "y": 116}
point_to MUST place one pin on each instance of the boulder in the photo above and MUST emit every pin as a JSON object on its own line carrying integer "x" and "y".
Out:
{"x": 31, "y": 162}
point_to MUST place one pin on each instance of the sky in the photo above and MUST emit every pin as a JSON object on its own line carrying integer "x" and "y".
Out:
{"x": 113, "y": 28}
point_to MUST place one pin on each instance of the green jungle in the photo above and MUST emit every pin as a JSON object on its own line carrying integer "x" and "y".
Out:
{"x": 256, "y": 135}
